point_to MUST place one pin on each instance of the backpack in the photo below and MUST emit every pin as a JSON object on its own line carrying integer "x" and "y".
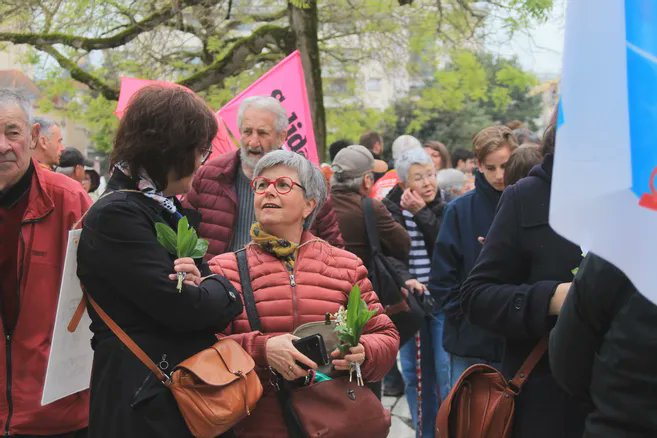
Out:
{"x": 482, "y": 402}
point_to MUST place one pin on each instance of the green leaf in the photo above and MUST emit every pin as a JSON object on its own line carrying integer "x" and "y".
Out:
{"x": 167, "y": 237}
{"x": 186, "y": 238}
{"x": 200, "y": 249}
{"x": 357, "y": 317}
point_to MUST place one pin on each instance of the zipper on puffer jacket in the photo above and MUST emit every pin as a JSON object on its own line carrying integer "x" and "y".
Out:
{"x": 8, "y": 335}
{"x": 293, "y": 285}
{"x": 10, "y": 403}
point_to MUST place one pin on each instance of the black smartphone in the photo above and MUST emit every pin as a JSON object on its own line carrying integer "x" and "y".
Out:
{"x": 313, "y": 348}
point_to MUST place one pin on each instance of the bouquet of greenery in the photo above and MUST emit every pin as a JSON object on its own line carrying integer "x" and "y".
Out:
{"x": 185, "y": 243}
{"x": 349, "y": 326}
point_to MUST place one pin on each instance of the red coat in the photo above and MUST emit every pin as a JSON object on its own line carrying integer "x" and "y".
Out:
{"x": 324, "y": 276}
{"x": 213, "y": 194}
{"x": 55, "y": 203}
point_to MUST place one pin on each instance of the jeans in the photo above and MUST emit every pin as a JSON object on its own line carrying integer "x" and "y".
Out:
{"x": 435, "y": 373}
{"x": 458, "y": 364}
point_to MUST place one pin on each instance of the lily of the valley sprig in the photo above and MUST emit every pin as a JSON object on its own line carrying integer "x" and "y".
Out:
{"x": 349, "y": 326}
{"x": 184, "y": 243}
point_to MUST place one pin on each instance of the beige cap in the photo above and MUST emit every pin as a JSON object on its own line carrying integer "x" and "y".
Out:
{"x": 355, "y": 161}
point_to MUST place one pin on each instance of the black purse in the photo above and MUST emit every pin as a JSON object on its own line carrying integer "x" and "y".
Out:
{"x": 406, "y": 310}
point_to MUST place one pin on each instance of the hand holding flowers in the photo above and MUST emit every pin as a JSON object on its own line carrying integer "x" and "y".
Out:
{"x": 184, "y": 244}
{"x": 349, "y": 326}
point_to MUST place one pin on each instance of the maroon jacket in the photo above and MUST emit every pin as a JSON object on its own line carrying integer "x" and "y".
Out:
{"x": 213, "y": 194}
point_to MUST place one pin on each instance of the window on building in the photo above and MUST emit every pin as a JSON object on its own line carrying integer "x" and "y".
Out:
{"x": 373, "y": 84}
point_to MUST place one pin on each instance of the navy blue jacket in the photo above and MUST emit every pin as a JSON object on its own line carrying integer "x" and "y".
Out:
{"x": 455, "y": 252}
{"x": 509, "y": 290}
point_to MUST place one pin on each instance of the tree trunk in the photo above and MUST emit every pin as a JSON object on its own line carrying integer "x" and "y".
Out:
{"x": 303, "y": 23}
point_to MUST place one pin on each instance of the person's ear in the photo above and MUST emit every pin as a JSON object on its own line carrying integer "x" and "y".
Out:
{"x": 368, "y": 182}
{"x": 34, "y": 132}
{"x": 79, "y": 172}
{"x": 308, "y": 208}
{"x": 282, "y": 136}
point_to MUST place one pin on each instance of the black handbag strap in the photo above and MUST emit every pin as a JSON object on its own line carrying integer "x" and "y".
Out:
{"x": 247, "y": 290}
{"x": 370, "y": 225}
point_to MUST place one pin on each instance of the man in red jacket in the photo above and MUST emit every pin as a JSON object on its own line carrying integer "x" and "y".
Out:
{"x": 221, "y": 190}
{"x": 37, "y": 208}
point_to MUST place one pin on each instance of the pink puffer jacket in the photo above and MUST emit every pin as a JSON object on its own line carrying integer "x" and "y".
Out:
{"x": 323, "y": 278}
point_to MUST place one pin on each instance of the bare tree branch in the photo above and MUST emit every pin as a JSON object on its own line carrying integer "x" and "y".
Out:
{"x": 270, "y": 17}
{"x": 88, "y": 44}
{"x": 235, "y": 59}
{"x": 79, "y": 74}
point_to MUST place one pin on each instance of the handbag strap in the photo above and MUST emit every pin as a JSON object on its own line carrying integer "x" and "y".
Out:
{"x": 283, "y": 395}
{"x": 370, "y": 225}
{"x": 127, "y": 340}
{"x": 247, "y": 290}
{"x": 529, "y": 364}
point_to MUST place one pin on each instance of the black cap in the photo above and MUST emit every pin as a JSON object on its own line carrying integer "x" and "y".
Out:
{"x": 72, "y": 157}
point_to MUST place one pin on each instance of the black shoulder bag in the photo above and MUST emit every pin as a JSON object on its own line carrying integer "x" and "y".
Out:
{"x": 403, "y": 308}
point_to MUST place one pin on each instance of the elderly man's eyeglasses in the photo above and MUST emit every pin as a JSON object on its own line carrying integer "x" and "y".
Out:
{"x": 282, "y": 184}
{"x": 205, "y": 153}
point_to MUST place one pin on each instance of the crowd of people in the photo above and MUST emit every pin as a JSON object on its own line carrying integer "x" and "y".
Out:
{"x": 466, "y": 232}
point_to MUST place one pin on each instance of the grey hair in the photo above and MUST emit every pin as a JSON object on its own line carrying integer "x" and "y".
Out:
{"x": 266, "y": 103}
{"x": 402, "y": 144}
{"x": 310, "y": 177}
{"x": 407, "y": 159}
{"x": 451, "y": 179}
{"x": 350, "y": 184}
{"x": 45, "y": 124}
{"x": 11, "y": 96}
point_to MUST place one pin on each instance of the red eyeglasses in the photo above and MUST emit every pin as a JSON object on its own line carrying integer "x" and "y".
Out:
{"x": 282, "y": 184}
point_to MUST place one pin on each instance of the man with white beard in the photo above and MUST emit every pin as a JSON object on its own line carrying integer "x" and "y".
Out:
{"x": 221, "y": 190}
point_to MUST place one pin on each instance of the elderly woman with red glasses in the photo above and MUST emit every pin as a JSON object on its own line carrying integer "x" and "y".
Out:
{"x": 297, "y": 278}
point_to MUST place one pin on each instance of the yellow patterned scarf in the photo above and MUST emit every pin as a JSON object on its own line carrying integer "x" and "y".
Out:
{"x": 279, "y": 248}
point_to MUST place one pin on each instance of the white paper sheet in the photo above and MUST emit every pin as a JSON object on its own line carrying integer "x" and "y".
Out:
{"x": 71, "y": 356}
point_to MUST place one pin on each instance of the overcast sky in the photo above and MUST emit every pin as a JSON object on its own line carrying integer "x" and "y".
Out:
{"x": 539, "y": 49}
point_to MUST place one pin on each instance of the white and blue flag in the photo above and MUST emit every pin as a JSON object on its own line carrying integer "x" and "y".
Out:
{"x": 603, "y": 193}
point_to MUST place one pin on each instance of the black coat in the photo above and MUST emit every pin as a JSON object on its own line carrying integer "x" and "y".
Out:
{"x": 602, "y": 350}
{"x": 509, "y": 290}
{"x": 428, "y": 221}
{"x": 125, "y": 269}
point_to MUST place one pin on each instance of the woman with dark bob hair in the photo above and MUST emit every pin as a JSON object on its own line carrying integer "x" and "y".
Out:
{"x": 163, "y": 138}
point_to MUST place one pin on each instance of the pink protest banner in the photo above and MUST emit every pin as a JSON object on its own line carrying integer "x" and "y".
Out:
{"x": 285, "y": 82}
{"x": 222, "y": 143}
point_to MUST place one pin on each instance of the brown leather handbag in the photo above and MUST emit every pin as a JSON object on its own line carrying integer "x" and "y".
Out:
{"x": 482, "y": 403}
{"x": 331, "y": 409}
{"x": 214, "y": 389}
{"x": 334, "y": 409}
